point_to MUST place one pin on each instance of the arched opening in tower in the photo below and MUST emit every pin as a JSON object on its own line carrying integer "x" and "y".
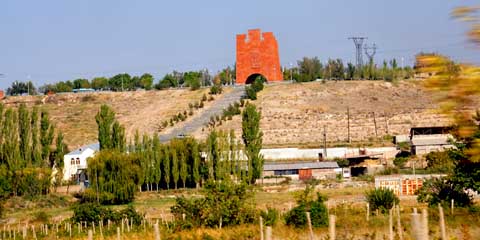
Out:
{"x": 253, "y": 77}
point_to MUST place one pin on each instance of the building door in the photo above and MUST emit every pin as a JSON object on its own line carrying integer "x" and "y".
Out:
{"x": 304, "y": 174}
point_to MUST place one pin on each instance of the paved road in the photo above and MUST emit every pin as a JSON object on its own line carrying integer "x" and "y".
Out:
{"x": 198, "y": 121}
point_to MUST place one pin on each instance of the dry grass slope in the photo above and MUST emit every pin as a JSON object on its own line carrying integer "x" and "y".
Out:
{"x": 74, "y": 114}
{"x": 295, "y": 114}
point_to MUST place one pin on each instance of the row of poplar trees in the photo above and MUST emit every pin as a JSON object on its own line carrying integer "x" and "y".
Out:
{"x": 120, "y": 169}
{"x": 27, "y": 152}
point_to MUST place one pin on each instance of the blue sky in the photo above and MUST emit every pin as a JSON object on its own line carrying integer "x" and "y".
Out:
{"x": 54, "y": 40}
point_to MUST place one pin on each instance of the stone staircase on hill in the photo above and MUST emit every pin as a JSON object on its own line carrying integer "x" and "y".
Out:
{"x": 198, "y": 121}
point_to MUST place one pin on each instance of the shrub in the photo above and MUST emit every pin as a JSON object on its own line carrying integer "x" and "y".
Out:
{"x": 342, "y": 162}
{"x": 441, "y": 191}
{"x": 257, "y": 85}
{"x": 224, "y": 200}
{"x": 41, "y": 216}
{"x": 382, "y": 199}
{"x": 251, "y": 93}
{"x": 215, "y": 89}
{"x": 297, "y": 216}
{"x": 270, "y": 216}
{"x": 440, "y": 162}
{"x": 204, "y": 98}
{"x": 400, "y": 161}
{"x": 92, "y": 212}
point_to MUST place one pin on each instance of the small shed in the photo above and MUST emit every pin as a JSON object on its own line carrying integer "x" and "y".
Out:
{"x": 302, "y": 170}
{"x": 423, "y": 144}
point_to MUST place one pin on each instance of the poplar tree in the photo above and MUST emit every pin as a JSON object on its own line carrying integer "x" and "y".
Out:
{"x": 212, "y": 154}
{"x": 183, "y": 165}
{"x": 196, "y": 164}
{"x": 118, "y": 137}
{"x": 252, "y": 139}
{"x": 2, "y": 154}
{"x": 46, "y": 138}
{"x": 36, "y": 154}
{"x": 105, "y": 118}
{"x": 157, "y": 153}
{"x": 166, "y": 166}
{"x": 10, "y": 146}
{"x": 175, "y": 167}
{"x": 24, "y": 133}
{"x": 60, "y": 150}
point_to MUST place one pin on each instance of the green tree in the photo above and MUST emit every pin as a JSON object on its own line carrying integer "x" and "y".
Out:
{"x": 175, "y": 166}
{"x": 213, "y": 154}
{"x": 310, "y": 69}
{"x": 81, "y": 83}
{"x": 118, "y": 137}
{"x": 24, "y": 131}
{"x": 105, "y": 118}
{"x": 382, "y": 199}
{"x": 196, "y": 164}
{"x": 252, "y": 139}
{"x": 46, "y": 137}
{"x": 192, "y": 80}
{"x": 166, "y": 166}
{"x": 114, "y": 177}
{"x": 146, "y": 81}
{"x": 99, "y": 83}
{"x": 157, "y": 153}
{"x": 350, "y": 71}
{"x": 36, "y": 146}
{"x": 60, "y": 150}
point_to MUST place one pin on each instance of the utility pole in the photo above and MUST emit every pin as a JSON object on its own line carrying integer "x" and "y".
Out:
{"x": 325, "y": 141}
{"x": 358, "y": 41}
{"x": 348, "y": 125}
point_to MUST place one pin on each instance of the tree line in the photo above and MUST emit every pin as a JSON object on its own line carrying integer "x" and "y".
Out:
{"x": 27, "y": 154}
{"x": 311, "y": 69}
{"x": 121, "y": 169}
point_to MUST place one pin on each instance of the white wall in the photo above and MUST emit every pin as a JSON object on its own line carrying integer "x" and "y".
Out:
{"x": 296, "y": 153}
{"x": 70, "y": 169}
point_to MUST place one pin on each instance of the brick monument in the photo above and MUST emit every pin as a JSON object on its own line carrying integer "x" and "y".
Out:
{"x": 257, "y": 55}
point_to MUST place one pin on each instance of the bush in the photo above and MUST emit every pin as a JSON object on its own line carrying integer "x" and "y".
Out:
{"x": 215, "y": 89}
{"x": 92, "y": 212}
{"x": 224, "y": 200}
{"x": 441, "y": 191}
{"x": 440, "y": 162}
{"x": 270, "y": 216}
{"x": 41, "y": 216}
{"x": 382, "y": 199}
{"x": 297, "y": 217}
{"x": 251, "y": 93}
{"x": 400, "y": 161}
{"x": 257, "y": 85}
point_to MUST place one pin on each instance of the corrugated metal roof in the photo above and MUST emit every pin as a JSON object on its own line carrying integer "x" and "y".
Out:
{"x": 309, "y": 165}
{"x": 94, "y": 146}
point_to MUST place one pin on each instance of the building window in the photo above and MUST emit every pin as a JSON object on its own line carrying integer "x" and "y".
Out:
{"x": 72, "y": 161}
{"x": 286, "y": 172}
{"x": 78, "y": 161}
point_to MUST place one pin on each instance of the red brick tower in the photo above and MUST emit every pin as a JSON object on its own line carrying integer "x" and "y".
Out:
{"x": 257, "y": 55}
